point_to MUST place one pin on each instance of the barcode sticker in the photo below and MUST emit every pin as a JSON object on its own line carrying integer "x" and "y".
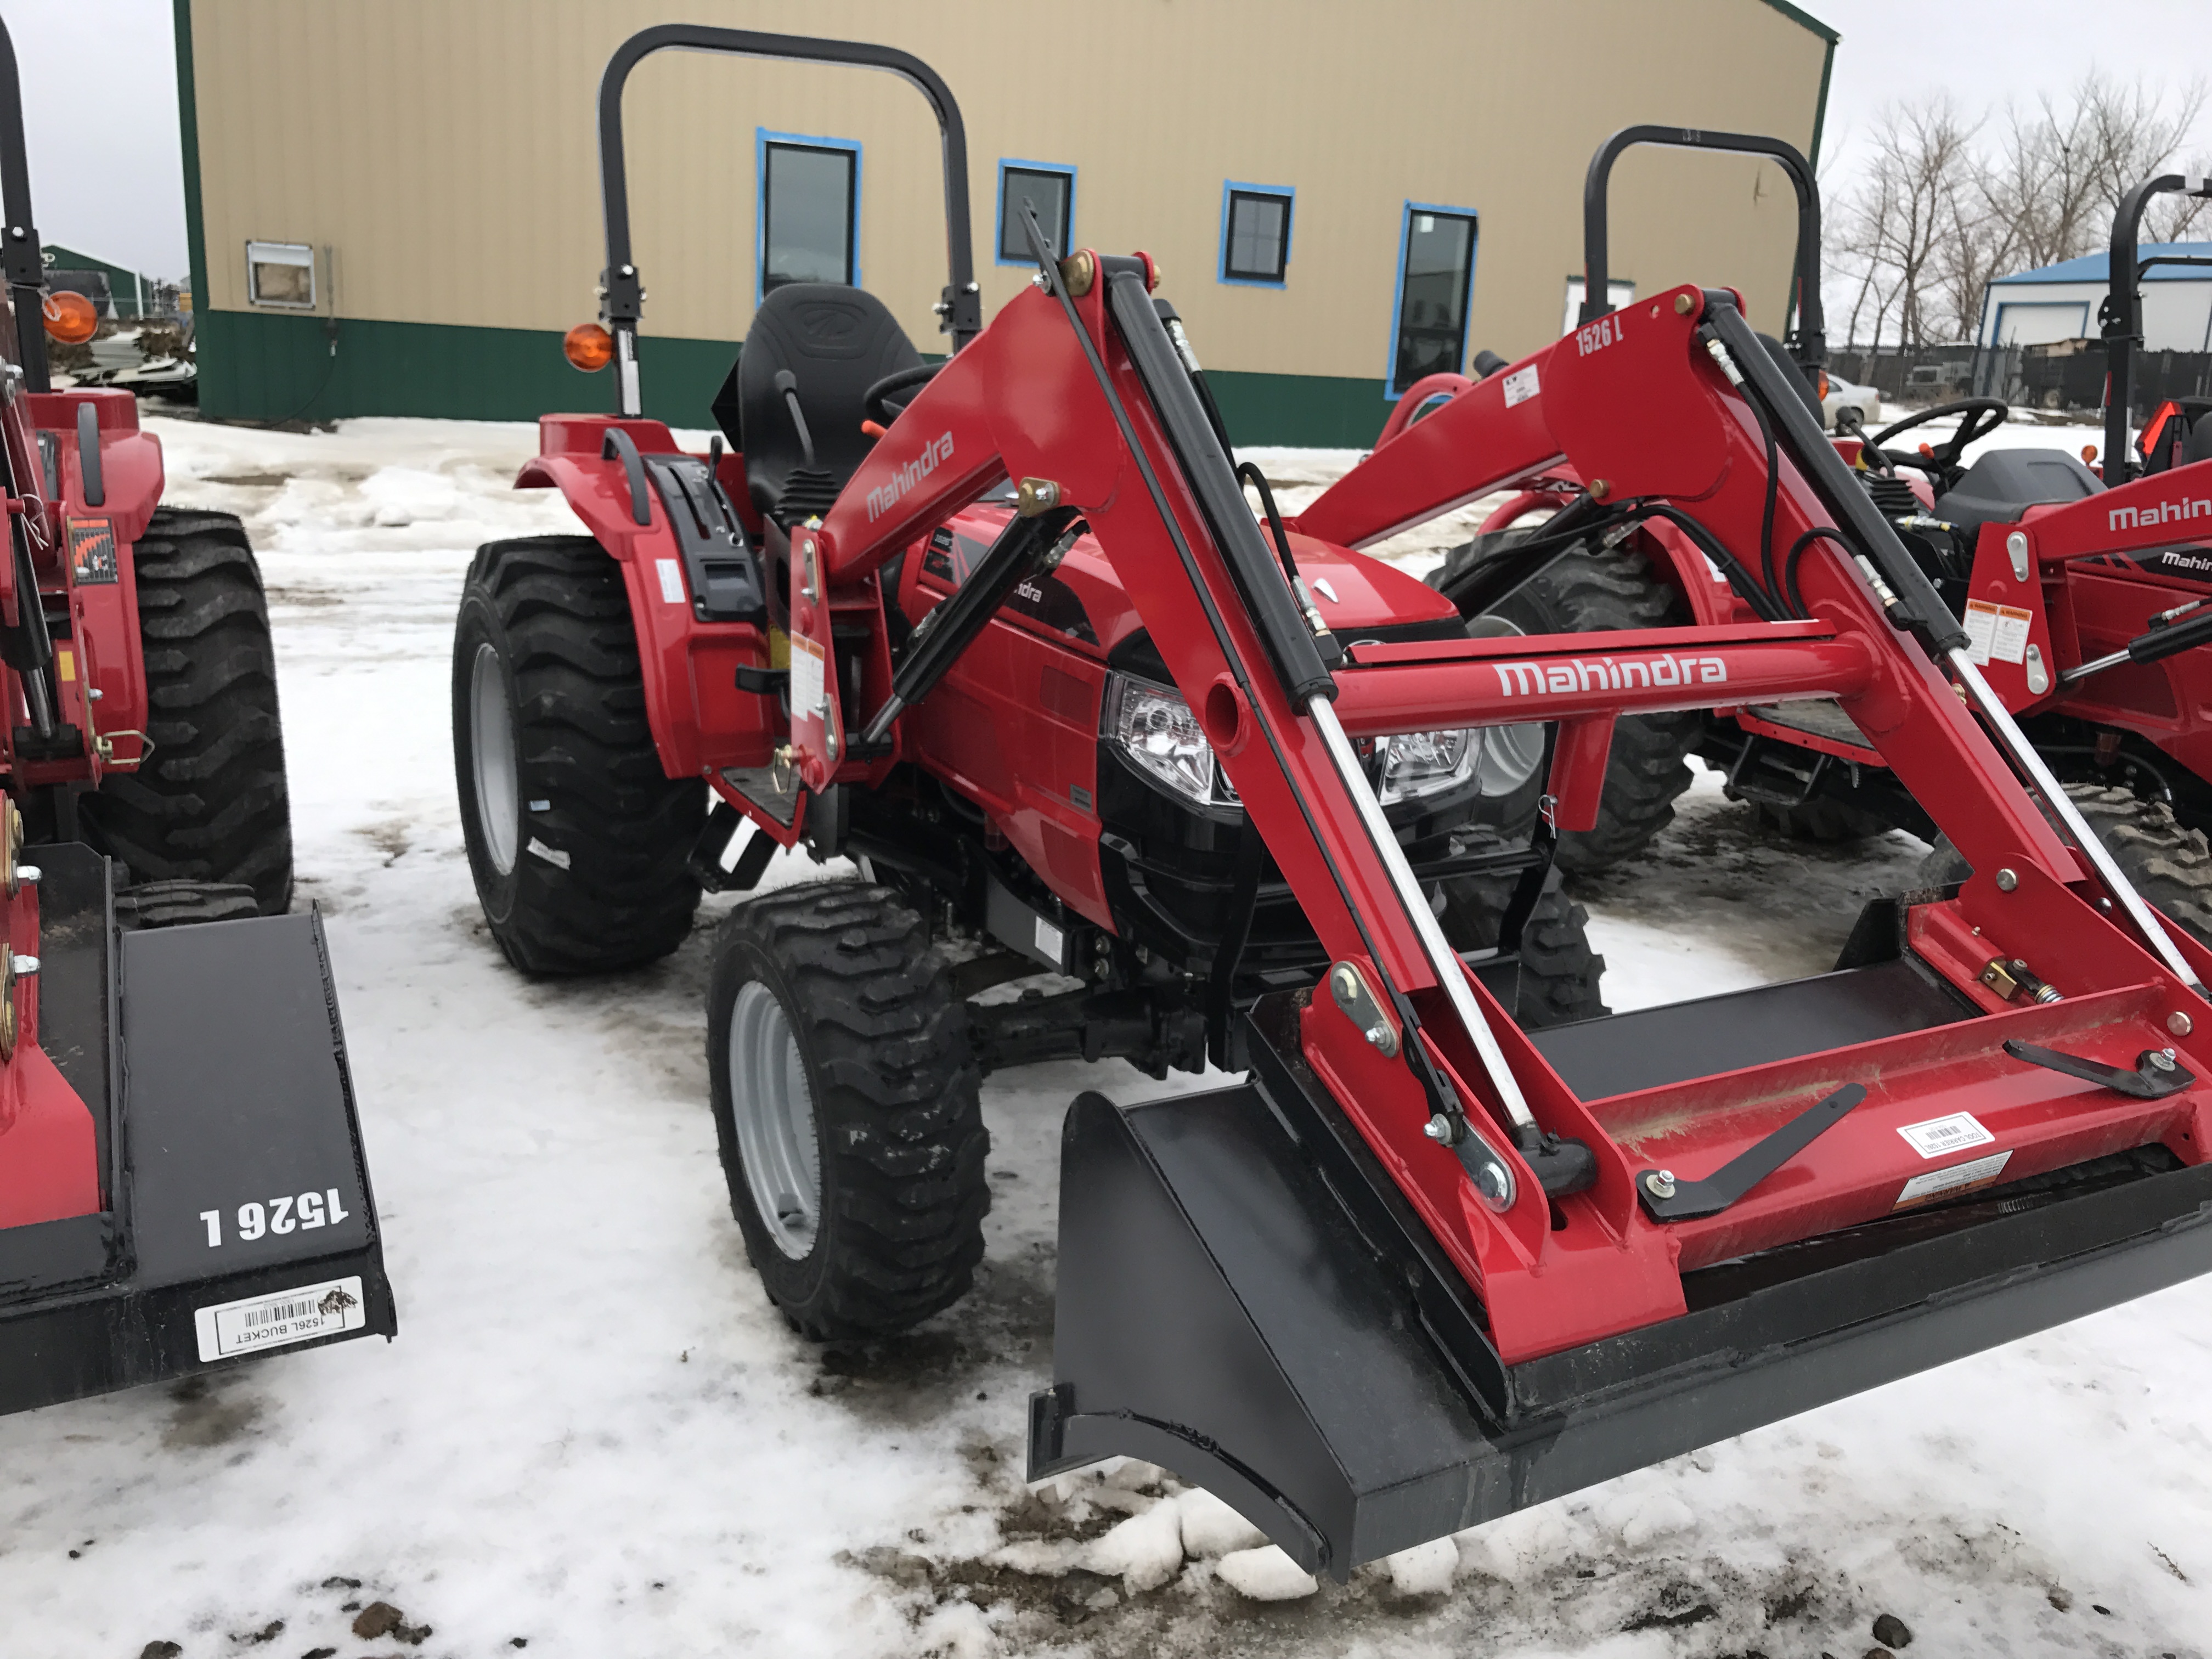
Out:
{"x": 1940, "y": 1137}
{"x": 280, "y": 1318}
{"x": 1960, "y": 1178}
{"x": 1521, "y": 385}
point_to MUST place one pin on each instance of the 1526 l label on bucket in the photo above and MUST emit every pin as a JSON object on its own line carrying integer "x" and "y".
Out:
{"x": 280, "y": 1318}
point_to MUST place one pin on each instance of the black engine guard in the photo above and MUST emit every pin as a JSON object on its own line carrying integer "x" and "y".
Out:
{"x": 213, "y": 1062}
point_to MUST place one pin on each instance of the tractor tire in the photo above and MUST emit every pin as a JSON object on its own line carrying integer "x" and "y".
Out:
{"x": 845, "y": 1100}
{"x": 578, "y": 841}
{"x": 1829, "y": 821}
{"x": 1559, "y": 972}
{"x": 2170, "y": 866}
{"x": 1592, "y": 590}
{"x": 210, "y": 803}
{"x": 180, "y": 904}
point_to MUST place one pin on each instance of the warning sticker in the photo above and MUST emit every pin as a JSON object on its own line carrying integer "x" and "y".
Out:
{"x": 91, "y": 552}
{"x": 1521, "y": 385}
{"x": 280, "y": 1318}
{"x": 1941, "y": 1136}
{"x": 1996, "y": 632}
{"x": 1950, "y": 1183}
{"x": 806, "y": 678}
{"x": 671, "y": 580}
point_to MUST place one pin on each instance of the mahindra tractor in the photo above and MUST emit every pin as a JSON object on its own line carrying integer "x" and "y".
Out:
{"x": 2082, "y": 595}
{"x": 182, "y": 1184}
{"x": 1008, "y": 632}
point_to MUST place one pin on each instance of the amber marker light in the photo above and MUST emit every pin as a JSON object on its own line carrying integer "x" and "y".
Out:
{"x": 588, "y": 347}
{"x": 69, "y": 318}
{"x": 2089, "y": 453}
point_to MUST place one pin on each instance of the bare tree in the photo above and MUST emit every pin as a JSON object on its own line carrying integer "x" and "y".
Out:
{"x": 1894, "y": 230}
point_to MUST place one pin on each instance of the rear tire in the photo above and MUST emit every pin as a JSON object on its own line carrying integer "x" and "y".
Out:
{"x": 1560, "y": 975}
{"x": 2169, "y": 866}
{"x": 578, "y": 841}
{"x": 209, "y": 804}
{"x": 1830, "y": 821}
{"x": 845, "y": 1099}
{"x": 1592, "y": 590}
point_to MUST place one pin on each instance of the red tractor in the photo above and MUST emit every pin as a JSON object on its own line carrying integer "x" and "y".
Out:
{"x": 182, "y": 1176}
{"x": 2082, "y": 595}
{"x": 1008, "y": 632}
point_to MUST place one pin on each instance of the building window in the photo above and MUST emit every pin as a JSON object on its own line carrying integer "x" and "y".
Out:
{"x": 1050, "y": 192}
{"x": 281, "y": 274}
{"x": 1617, "y": 293}
{"x": 1255, "y": 233}
{"x": 809, "y": 211}
{"x": 1436, "y": 275}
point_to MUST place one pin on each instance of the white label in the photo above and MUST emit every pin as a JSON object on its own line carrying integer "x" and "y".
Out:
{"x": 1050, "y": 941}
{"x": 1519, "y": 386}
{"x": 280, "y": 1319}
{"x": 552, "y": 855}
{"x": 1958, "y": 1178}
{"x": 1998, "y": 631}
{"x": 806, "y": 699}
{"x": 1941, "y": 1136}
{"x": 671, "y": 580}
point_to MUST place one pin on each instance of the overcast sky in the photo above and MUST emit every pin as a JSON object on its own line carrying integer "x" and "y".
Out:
{"x": 112, "y": 186}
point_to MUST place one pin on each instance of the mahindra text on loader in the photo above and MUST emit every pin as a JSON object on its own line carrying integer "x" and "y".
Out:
{"x": 182, "y": 1182}
{"x": 1007, "y": 631}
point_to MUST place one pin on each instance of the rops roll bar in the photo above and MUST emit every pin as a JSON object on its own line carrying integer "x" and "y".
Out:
{"x": 2120, "y": 313}
{"x": 1808, "y": 341}
{"x": 960, "y": 312}
{"x": 21, "y": 264}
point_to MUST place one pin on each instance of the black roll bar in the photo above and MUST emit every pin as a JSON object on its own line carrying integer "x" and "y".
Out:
{"x": 1808, "y": 340}
{"x": 960, "y": 311}
{"x": 2122, "y": 314}
{"x": 21, "y": 264}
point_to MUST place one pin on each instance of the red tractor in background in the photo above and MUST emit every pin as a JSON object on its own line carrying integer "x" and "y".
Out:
{"x": 181, "y": 1177}
{"x": 1008, "y": 632}
{"x": 2084, "y": 611}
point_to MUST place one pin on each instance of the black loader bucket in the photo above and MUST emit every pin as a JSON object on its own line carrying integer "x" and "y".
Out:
{"x": 235, "y": 1213}
{"x": 1245, "y": 1298}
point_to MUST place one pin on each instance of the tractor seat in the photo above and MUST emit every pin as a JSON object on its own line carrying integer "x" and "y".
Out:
{"x": 2005, "y": 482}
{"x": 834, "y": 343}
{"x": 2199, "y": 445}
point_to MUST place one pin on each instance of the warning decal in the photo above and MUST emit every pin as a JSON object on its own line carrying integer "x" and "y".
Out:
{"x": 91, "y": 552}
{"x": 1951, "y": 1183}
{"x": 1996, "y": 632}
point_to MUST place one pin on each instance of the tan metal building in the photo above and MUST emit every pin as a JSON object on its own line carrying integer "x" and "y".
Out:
{"x": 394, "y": 206}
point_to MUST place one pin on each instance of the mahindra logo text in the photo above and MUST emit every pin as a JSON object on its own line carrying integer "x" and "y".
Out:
{"x": 2139, "y": 517}
{"x": 882, "y": 499}
{"x": 1528, "y": 679}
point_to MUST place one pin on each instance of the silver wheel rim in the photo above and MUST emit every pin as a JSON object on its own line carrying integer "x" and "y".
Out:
{"x": 1511, "y": 754}
{"x": 491, "y": 747}
{"x": 775, "y": 1112}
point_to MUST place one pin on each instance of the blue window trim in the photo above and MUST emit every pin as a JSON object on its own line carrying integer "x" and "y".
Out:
{"x": 1290, "y": 196}
{"x": 761, "y": 139}
{"x": 1391, "y": 390}
{"x": 998, "y": 207}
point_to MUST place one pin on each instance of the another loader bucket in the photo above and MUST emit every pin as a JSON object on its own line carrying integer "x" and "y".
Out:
{"x": 1241, "y": 1300}
{"x": 235, "y": 1212}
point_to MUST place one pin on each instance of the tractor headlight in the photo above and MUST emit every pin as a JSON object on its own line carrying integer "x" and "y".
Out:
{"x": 1418, "y": 763}
{"x": 1155, "y": 728}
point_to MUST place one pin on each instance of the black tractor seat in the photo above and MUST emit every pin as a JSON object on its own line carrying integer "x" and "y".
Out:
{"x": 821, "y": 346}
{"x": 2005, "y": 482}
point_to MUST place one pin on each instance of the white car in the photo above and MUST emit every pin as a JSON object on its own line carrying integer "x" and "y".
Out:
{"x": 1842, "y": 394}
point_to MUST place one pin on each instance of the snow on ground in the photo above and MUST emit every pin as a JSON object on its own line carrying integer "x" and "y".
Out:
{"x": 593, "y": 1435}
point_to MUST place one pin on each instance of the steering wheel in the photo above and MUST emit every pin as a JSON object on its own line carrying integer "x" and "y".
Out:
{"x": 1983, "y": 417}
{"x": 880, "y": 411}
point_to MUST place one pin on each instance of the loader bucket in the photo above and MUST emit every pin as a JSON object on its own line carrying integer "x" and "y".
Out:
{"x": 232, "y": 1215}
{"x": 1245, "y": 1299}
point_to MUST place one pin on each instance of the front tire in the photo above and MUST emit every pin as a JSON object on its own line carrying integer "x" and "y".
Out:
{"x": 209, "y": 804}
{"x": 845, "y": 1100}
{"x": 1560, "y": 975}
{"x": 2169, "y": 866}
{"x": 578, "y": 841}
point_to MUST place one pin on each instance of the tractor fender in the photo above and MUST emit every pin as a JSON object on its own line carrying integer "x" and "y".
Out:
{"x": 1675, "y": 559}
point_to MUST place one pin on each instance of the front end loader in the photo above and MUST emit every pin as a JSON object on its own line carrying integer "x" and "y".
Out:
{"x": 1429, "y": 1259}
{"x": 182, "y": 1182}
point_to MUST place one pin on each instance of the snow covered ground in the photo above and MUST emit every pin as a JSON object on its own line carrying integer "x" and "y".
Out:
{"x": 594, "y": 1437}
